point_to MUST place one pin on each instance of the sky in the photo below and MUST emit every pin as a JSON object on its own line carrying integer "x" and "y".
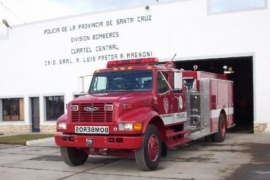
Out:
{"x": 26, "y": 11}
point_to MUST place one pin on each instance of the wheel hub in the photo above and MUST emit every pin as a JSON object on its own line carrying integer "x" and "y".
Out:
{"x": 153, "y": 148}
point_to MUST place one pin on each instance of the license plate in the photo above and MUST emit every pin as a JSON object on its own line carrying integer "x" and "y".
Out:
{"x": 92, "y": 129}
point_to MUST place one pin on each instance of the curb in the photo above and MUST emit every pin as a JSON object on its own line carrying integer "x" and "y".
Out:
{"x": 46, "y": 141}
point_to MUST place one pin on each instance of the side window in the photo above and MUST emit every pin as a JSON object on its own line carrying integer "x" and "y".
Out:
{"x": 162, "y": 82}
{"x": 189, "y": 83}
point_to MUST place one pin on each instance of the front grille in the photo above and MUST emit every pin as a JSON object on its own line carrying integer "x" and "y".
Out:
{"x": 99, "y": 115}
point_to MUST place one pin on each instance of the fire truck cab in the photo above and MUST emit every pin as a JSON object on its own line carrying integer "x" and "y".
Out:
{"x": 140, "y": 107}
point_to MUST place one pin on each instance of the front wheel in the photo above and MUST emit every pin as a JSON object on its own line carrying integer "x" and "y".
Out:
{"x": 148, "y": 156}
{"x": 73, "y": 156}
{"x": 220, "y": 135}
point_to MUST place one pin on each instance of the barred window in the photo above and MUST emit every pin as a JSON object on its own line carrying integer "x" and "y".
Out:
{"x": 13, "y": 109}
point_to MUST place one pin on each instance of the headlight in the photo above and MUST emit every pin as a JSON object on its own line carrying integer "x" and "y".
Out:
{"x": 62, "y": 125}
{"x": 126, "y": 126}
{"x": 130, "y": 126}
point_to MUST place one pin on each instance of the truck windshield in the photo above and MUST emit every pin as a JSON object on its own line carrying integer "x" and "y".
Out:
{"x": 139, "y": 80}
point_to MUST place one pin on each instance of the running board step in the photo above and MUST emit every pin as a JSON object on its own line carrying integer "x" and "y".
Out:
{"x": 179, "y": 142}
{"x": 174, "y": 139}
{"x": 181, "y": 133}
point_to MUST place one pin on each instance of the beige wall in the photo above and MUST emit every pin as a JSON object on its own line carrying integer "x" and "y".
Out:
{"x": 26, "y": 128}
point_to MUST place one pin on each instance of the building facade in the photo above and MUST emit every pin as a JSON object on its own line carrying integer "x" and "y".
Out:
{"x": 46, "y": 64}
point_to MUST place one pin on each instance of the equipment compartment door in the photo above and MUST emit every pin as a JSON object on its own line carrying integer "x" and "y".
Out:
{"x": 179, "y": 99}
{"x": 195, "y": 111}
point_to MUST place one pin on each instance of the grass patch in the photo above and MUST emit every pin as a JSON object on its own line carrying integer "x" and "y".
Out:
{"x": 21, "y": 139}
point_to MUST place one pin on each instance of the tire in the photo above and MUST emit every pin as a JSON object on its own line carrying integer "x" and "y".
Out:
{"x": 220, "y": 135}
{"x": 209, "y": 138}
{"x": 73, "y": 156}
{"x": 148, "y": 156}
{"x": 164, "y": 150}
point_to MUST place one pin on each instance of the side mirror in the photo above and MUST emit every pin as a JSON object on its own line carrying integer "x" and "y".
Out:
{"x": 177, "y": 82}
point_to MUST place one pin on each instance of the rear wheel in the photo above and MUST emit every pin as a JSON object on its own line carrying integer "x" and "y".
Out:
{"x": 220, "y": 135}
{"x": 148, "y": 156}
{"x": 73, "y": 156}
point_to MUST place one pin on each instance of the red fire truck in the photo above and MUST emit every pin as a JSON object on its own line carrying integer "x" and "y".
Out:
{"x": 143, "y": 108}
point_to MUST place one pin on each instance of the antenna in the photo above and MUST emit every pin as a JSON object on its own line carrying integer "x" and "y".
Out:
{"x": 170, "y": 64}
{"x": 173, "y": 57}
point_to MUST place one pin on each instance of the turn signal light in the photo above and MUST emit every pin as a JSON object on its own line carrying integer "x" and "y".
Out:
{"x": 74, "y": 108}
{"x": 108, "y": 107}
{"x": 137, "y": 126}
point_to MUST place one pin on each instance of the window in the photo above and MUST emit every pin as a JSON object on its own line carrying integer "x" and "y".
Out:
{"x": 121, "y": 81}
{"x": 162, "y": 82}
{"x": 219, "y": 6}
{"x": 13, "y": 109}
{"x": 54, "y": 107}
{"x": 189, "y": 83}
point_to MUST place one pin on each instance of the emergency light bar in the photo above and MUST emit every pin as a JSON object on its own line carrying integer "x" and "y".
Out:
{"x": 143, "y": 61}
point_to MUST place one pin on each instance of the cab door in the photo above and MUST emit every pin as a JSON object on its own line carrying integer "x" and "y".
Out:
{"x": 165, "y": 105}
{"x": 171, "y": 98}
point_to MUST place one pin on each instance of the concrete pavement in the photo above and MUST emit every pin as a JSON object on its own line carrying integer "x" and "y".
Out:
{"x": 241, "y": 156}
